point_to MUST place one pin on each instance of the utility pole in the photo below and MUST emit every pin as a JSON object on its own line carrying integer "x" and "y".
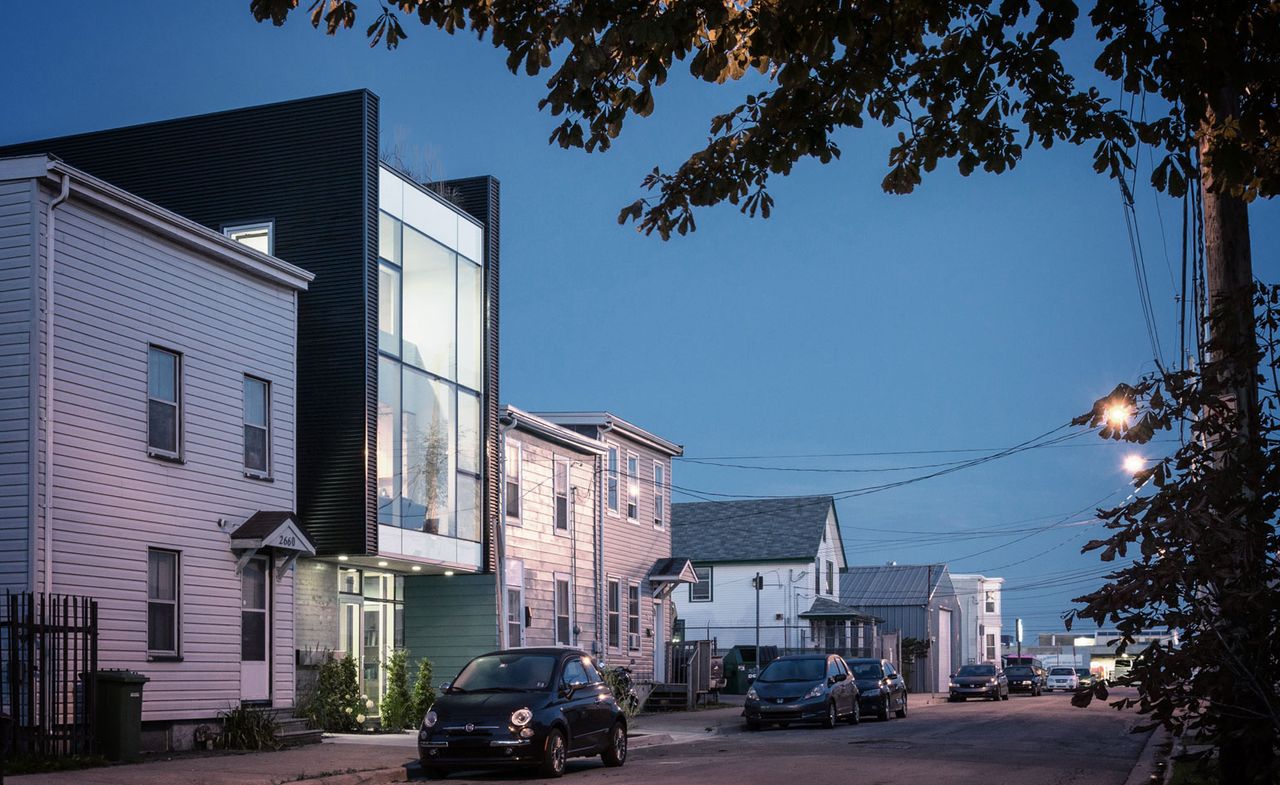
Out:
{"x": 758, "y": 583}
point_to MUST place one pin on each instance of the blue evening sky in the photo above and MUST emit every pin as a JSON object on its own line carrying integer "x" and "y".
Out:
{"x": 975, "y": 313}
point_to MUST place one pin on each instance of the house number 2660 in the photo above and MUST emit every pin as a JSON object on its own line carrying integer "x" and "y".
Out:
{"x": 288, "y": 540}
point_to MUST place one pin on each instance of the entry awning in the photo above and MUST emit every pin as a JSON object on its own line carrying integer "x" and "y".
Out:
{"x": 666, "y": 574}
{"x": 275, "y": 532}
{"x": 831, "y": 610}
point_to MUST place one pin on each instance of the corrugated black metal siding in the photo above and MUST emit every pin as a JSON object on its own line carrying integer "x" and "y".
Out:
{"x": 311, "y": 166}
{"x": 481, "y": 197}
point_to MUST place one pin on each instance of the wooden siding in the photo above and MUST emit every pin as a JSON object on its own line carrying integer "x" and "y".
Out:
{"x": 730, "y": 617}
{"x": 449, "y": 619}
{"x": 629, "y": 548}
{"x": 311, "y": 167}
{"x": 17, "y": 314}
{"x": 545, "y": 553}
{"x": 119, "y": 290}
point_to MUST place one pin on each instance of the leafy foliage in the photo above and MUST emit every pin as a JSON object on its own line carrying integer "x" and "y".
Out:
{"x": 424, "y": 692}
{"x": 1197, "y": 552}
{"x": 622, "y": 693}
{"x": 396, "y": 710}
{"x": 248, "y": 728}
{"x": 974, "y": 81}
{"x": 338, "y": 706}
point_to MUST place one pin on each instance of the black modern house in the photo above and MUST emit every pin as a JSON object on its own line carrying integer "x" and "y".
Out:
{"x": 397, "y": 363}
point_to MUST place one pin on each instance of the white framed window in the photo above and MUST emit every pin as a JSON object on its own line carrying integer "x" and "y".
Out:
{"x": 701, "y": 591}
{"x": 564, "y": 611}
{"x": 817, "y": 577}
{"x": 611, "y": 478}
{"x": 560, "y": 493}
{"x": 991, "y": 647}
{"x": 615, "y": 614}
{"x": 515, "y": 616}
{"x": 512, "y": 469}
{"x": 633, "y": 486}
{"x": 633, "y": 616}
{"x": 257, "y": 427}
{"x": 258, "y": 236}
{"x": 831, "y": 578}
{"x": 991, "y": 602}
{"x": 162, "y": 602}
{"x": 164, "y": 403}
{"x": 659, "y": 493}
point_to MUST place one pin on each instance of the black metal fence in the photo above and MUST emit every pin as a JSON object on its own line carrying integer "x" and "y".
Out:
{"x": 49, "y": 647}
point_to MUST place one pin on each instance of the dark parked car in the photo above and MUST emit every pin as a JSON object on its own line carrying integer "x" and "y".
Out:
{"x": 802, "y": 688}
{"x": 525, "y": 707}
{"x": 880, "y": 687}
{"x": 1025, "y": 678}
{"x": 979, "y": 681}
{"x": 1087, "y": 679}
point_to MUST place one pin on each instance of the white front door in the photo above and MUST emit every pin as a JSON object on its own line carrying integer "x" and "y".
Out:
{"x": 255, "y": 630}
{"x": 659, "y": 643}
{"x": 944, "y": 649}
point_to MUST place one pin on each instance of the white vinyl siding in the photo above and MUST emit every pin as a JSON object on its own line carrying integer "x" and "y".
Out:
{"x": 18, "y": 377}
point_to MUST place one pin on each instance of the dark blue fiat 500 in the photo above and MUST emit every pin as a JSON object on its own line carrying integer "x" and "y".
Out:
{"x": 531, "y": 707}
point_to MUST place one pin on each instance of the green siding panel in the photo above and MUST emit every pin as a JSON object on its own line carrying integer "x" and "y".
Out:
{"x": 449, "y": 620}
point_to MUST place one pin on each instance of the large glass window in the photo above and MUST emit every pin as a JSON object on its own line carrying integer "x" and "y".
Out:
{"x": 257, "y": 417}
{"x": 470, "y": 323}
{"x": 427, "y": 459}
{"x": 389, "y": 309}
{"x": 470, "y": 507}
{"x": 430, "y": 305}
{"x": 389, "y": 482}
{"x": 611, "y": 472}
{"x": 162, "y": 602}
{"x": 701, "y": 591}
{"x": 164, "y": 402}
{"x": 388, "y": 238}
{"x": 469, "y": 440}
{"x": 511, "y": 467}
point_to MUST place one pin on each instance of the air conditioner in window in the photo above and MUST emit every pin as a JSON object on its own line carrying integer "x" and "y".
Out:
{"x": 633, "y": 640}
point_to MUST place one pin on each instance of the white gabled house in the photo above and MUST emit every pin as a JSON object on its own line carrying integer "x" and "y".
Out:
{"x": 146, "y": 434}
{"x": 793, "y": 546}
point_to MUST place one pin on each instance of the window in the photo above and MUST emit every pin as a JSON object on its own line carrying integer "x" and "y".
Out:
{"x": 701, "y": 591}
{"x": 833, "y": 669}
{"x": 611, "y": 472}
{"x": 633, "y": 616}
{"x": 259, "y": 236}
{"x": 633, "y": 487}
{"x": 594, "y": 676}
{"x": 257, "y": 427}
{"x": 991, "y": 602}
{"x": 162, "y": 602}
{"x": 574, "y": 673}
{"x": 164, "y": 402}
{"x": 513, "y": 479}
{"x": 659, "y": 493}
{"x": 429, "y": 326}
{"x": 389, "y": 457}
{"x": 991, "y": 647}
{"x": 817, "y": 577}
{"x": 560, "y": 489}
{"x": 564, "y": 614}
{"x": 831, "y": 578}
{"x": 428, "y": 420}
{"x": 389, "y": 309}
{"x": 515, "y": 622}
{"x": 615, "y": 613}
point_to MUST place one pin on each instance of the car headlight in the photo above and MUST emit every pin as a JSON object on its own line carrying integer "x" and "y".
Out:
{"x": 816, "y": 692}
{"x": 752, "y": 695}
{"x": 952, "y": 684}
{"x": 992, "y": 681}
{"x": 521, "y": 717}
{"x": 429, "y": 721}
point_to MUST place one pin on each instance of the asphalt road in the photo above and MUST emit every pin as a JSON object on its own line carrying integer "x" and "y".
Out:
{"x": 1022, "y": 741}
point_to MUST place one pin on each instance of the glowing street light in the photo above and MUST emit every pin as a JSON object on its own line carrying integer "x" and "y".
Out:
{"x": 1134, "y": 464}
{"x": 1117, "y": 414}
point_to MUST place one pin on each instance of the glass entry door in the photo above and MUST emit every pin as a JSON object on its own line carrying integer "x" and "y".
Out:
{"x": 255, "y": 630}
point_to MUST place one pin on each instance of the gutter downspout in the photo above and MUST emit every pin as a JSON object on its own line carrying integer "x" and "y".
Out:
{"x": 602, "y": 486}
{"x": 501, "y": 544}
{"x": 50, "y": 248}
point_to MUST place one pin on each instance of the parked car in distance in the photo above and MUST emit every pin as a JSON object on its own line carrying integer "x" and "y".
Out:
{"x": 532, "y": 707}
{"x": 1062, "y": 678}
{"x": 1086, "y": 677}
{"x": 978, "y": 681}
{"x": 802, "y": 688}
{"x": 1025, "y": 678}
{"x": 881, "y": 688}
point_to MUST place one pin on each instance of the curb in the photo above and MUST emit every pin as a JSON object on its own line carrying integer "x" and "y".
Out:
{"x": 367, "y": 777}
{"x": 649, "y": 740}
{"x": 1144, "y": 768}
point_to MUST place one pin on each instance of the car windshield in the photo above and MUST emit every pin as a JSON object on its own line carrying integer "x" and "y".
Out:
{"x": 794, "y": 670}
{"x": 1062, "y": 672}
{"x": 977, "y": 670}
{"x": 506, "y": 673}
{"x": 866, "y": 670}
{"x": 1017, "y": 670}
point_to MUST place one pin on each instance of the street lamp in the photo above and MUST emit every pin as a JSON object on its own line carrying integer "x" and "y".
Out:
{"x": 1134, "y": 464}
{"x": 1117, "y": 414}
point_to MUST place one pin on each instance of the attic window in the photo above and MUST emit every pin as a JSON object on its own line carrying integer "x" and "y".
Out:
{"x": 259, "y": 236}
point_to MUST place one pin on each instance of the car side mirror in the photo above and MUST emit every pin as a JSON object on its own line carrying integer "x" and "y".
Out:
{"x": 444, "y": 686}
{"x": 835, "y": 678}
